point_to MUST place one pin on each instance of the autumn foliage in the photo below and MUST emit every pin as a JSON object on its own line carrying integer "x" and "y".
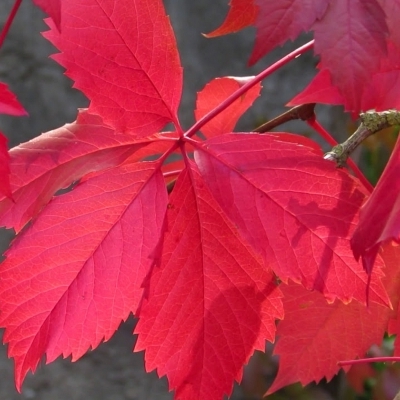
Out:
{"x": 217, "y": 242}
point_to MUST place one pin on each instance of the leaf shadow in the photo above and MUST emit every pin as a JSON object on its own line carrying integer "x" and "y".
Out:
{"x": 337, "y": 220}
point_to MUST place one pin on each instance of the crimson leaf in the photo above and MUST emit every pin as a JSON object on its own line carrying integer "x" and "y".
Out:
{"x": 52, "y": 8}
{"x": 121, "y": 73}
{"x": 301, "y": 227}
{"x": 211, "y": 302}
{"x": 104, "y": 235}
{"x": 9, "y": 103}
{"x": 380, "y": 216}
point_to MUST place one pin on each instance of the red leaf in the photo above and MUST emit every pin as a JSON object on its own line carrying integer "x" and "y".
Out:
{"x": 211, "y": 302}
{"x": 52, "y": 8}
{"x": 241, "y": 14}
{"x": 382, "y": 91}
{"x": 278, "y": 21}
{"x": 76, "y": 272}
{"x": 380, "y": 215}
{"x": 4, "y": 168}
{"x": 320, "y": 90}
{"x": 294, "y": 208}
{"x": 123, "y": 56}
{"x": 213, "y": 94}
{"x": 9, "y": 103}
{"x": 249, "y": 206}
{"x": 394, "y": 323}
{"x": 58, "y": 158}
{"x": 351, "y": 39}
{"x": 392, "y": 10}
{"x": 315, "y": 336}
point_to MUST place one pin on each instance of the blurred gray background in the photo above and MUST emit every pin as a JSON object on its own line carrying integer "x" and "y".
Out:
{"x": 113, "y": 371}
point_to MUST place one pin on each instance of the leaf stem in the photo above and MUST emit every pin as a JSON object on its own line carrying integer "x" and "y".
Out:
{"x": 168, "y": 152}
{"x": 9, "y": 21}
{"x": 313, "y": 123}
{"x": 368, "y": 360}
{"x": 228, "y": 101}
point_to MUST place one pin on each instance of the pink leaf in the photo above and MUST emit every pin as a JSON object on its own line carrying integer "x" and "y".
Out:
{"x": 214, "y": 93}
{"x": 382, "y": 90}
{"x": 210, "y": 303}
{"x": 52, "y": 8}
{"x": 315, "y": 336}
{"x": 295, "y": 209}
{"x": 392, "y": 10}
{"x": 380, "y": 215}
{"x": 242, "y": 13}
{"x": 123, "y": 56}
{"x": 58, "y": 158}
{"x": 320, "y": 90}
{"x": 9, "y": 103}
{"x": 4, "y": 168}
{"x": 278, "y": 21}
{"x": 76, "y": 272}
{"x": 351, "y": 40}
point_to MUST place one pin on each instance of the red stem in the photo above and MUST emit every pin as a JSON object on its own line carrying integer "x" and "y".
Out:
{"x": 227, "y": 102}
{"x": 9, "y": 21}
{"x": 368, "y": 360}
{"x": 322, "y": 131}
{"x": 327, "y": 136}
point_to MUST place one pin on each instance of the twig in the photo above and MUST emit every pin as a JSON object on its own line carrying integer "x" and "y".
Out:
{"x": 303, "y": 112}
{"x": 327, "y": 136}
{"x": 371, "y": 122}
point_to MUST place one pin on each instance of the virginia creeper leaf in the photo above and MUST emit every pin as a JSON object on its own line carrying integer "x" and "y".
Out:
{"x": 76, "y": 272}
{"x": 210, "y": 303}
{"x": 214, "y": 93}
{"x": 4, "y": 168}
{"x": 294, "y": 208}
{"x": 315, "y": 335}
{"x": 380, "y": 215}
{"x": 320, "y": 90}
{"x": 123, "y": 56}
{"x": 278, "y": 21}
{"x": 351, "y": 39}
{"x": 200, "y": 267}
{"x": 394, "y": 323}
{"x": 52, "y": 8}
{"x": 60, "y": 157}
{"x": 383, "y": 89}
{"x": 9, "y": 103}
{"x": 392, "y": 10}
{"x": 350, "y": 36}
{"x": 242, "y": 13}
{"x": 380, "y": 92}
